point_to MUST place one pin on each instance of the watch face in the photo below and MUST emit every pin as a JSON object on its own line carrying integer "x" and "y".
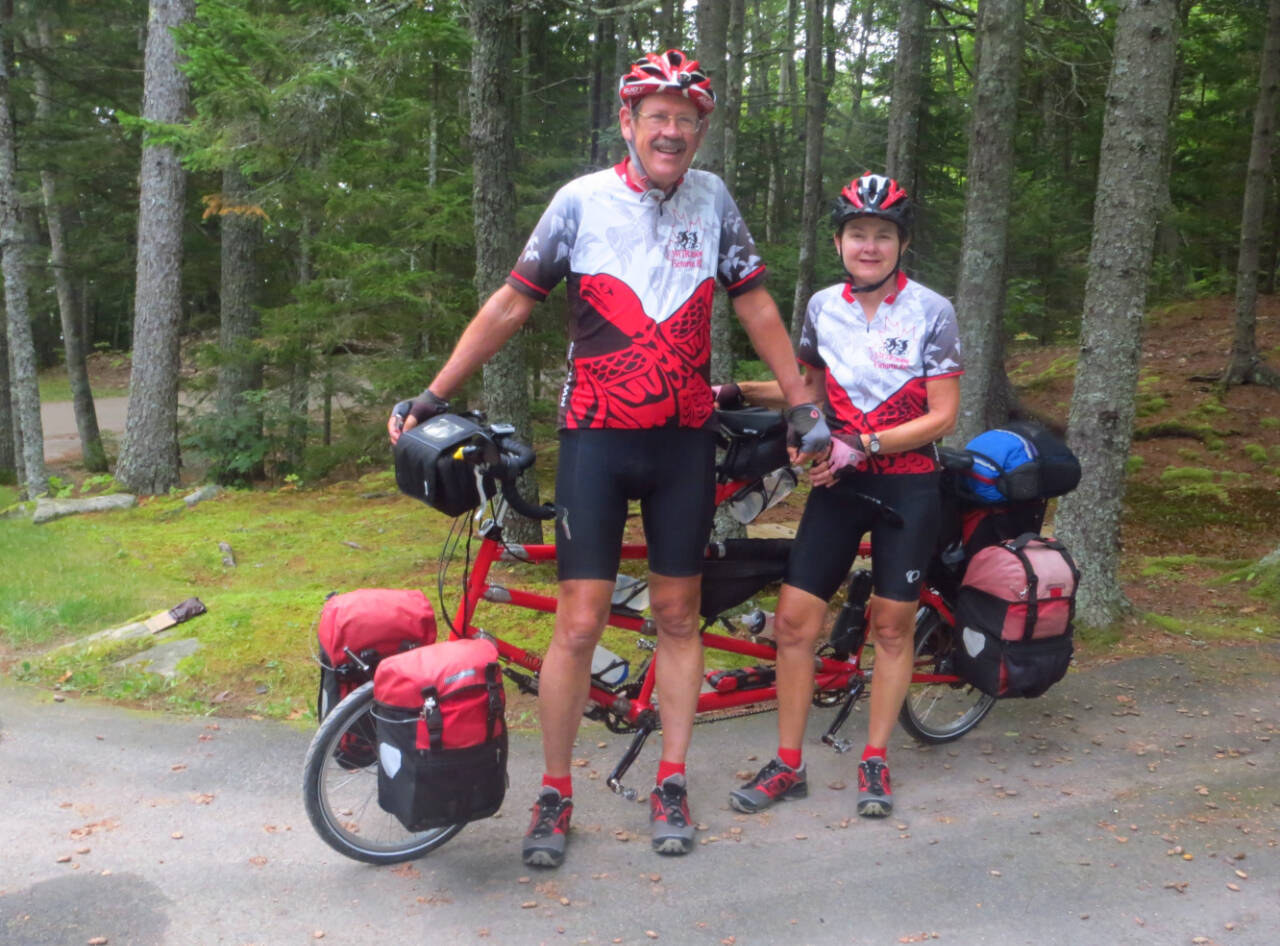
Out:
{"x": 873, "y": 444}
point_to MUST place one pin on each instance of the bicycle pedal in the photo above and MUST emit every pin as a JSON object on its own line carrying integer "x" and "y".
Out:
{"x": 630, "y": 794}
{"x": 840, "y": 745}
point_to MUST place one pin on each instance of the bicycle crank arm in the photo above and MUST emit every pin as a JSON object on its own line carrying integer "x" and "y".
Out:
{"x": 633, "y": 751}
{"x": 829, "y": 737}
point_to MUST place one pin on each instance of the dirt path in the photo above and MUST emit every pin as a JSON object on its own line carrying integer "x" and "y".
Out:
{"x": 62, "y": 441}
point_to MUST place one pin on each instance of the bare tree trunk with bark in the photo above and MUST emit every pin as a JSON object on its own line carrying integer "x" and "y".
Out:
{"x": 815, "y": 97}
{"x": 73, "y": 341}
{"x": 908, "y": 92}
{"x": 980, "y": 291}
{"x": 506, "y": 385}
{"x": 1135, "y": 130}
{"x": 22, "y": 352}
{"x": 149, "y": 457}
{"x": 1245, "y": 365}
{"x": 10, "y": 451}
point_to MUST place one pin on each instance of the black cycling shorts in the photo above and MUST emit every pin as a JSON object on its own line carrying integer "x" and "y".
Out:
{"x": 835, "y": 521}
{"x": 671, "y": 470}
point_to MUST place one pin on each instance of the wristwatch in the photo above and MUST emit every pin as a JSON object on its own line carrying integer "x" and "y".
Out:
{"x": 873, "y": 443}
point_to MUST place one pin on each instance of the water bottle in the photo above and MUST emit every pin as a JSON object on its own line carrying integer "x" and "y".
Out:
{"x": 608, "y": 667}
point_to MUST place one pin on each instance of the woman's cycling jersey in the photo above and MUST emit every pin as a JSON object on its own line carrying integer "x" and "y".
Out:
{"x": 640, "y": 268}
{"x": 876, "y": 371}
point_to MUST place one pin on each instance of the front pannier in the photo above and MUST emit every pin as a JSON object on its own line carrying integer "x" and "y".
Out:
{"x": 358, "y": 628}
{"x": 1013, "y": 614}
{"x": 442, "y": 736}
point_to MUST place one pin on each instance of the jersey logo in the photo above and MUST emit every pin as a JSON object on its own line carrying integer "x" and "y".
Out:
{"x": 896, "y": 346}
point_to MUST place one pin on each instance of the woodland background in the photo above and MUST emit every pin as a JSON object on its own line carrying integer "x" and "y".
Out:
{"x": 288, "y": 209}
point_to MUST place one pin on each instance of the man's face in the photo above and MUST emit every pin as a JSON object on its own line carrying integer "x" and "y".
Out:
{"x": 666, "y": 131}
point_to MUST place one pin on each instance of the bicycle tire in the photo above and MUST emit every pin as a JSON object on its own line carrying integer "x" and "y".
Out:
{"x": 340, "y": 790}
{"x": 935, "y": 713}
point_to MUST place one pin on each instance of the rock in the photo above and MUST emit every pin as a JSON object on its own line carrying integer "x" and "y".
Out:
{"x": 163, "y": 658}
{"x": 207, "y": 491}
{"x": 50, "y": 509}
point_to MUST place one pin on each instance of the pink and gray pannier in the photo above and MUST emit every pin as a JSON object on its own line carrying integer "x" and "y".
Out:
{"x": 1013, "y": 613}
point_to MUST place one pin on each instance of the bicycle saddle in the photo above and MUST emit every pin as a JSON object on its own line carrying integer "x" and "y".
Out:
{"x": 957, "y": 461}
{"x": 748, "y": 421}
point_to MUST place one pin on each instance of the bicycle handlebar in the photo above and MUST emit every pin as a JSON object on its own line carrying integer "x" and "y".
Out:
{"x": 516, "y": 457}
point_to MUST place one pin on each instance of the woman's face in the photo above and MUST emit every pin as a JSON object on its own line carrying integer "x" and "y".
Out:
{"x": 869, "y": 248}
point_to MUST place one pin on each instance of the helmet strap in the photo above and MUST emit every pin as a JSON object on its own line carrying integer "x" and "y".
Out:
{"x": 855, "y": 289}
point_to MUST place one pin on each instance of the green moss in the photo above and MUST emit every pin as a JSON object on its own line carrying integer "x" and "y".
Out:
{"x": 1148, "y": 404}
{"x": 1186, "y": 474}
{"x": 1133, "y": 464}
{"x": 1064, "y": 366}
{"x": 1214, "y": 444}
{"x": 1176, "y": 565}
{"x": 1269, "y": 423}
{"x": 1190, "y": 453}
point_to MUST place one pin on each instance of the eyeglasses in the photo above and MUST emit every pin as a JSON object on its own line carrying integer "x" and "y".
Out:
{"x": 656, "y": 121}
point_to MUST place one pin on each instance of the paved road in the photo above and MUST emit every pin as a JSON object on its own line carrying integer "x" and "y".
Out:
{"x": 1053, "y": 823}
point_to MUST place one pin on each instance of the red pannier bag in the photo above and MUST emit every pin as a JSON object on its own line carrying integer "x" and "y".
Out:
{"x": 442, "y": 735}
{"x": 358, "y": 628}
{"x": 1013, "y": 613}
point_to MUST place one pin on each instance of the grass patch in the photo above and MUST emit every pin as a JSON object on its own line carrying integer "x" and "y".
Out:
{"x": 54, "y": 386}
{"x": 291, "y": 548}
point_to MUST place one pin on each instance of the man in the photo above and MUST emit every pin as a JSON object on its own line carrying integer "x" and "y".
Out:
{"x": 641, "y": 246}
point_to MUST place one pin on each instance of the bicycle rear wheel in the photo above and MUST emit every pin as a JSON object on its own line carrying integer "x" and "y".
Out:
{"x": 340, "y": 789}
{"x": 939, "y": 712}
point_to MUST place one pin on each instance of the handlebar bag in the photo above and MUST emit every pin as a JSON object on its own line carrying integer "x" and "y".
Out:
{"x": 356, "y": 630}
{"x": 442, "y": 736}
{"x": 1013, "y": 616}
{"x": 427, "y": 469}
{"x": 1021, "y": 461}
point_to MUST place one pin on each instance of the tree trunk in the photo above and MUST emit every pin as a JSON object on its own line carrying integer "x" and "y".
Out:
{"x": 149, "y": 456}
{"x": 908, "y": 92}
{"x": 1245, "y": 365}
{"x": 506, "y": 386}
{"x": 73, "y": 342}
{"x": 713, "y": 26}
{"x": 1135, "y": 129}
{"x": 857, "y": 72}
{"x": 239, "y": 323}
{"x": 22, "y": 352}
{"x": 980, "y": 290}
{"x": 9, "y": 450}
{"x": 815, "y": 98}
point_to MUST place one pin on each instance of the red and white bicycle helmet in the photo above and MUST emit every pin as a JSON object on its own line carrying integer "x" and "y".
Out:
{"x": 670, "y": 72}
{"x": 873, "y": 195}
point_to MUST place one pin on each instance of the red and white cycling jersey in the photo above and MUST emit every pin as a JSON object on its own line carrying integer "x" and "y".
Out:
{"x": 876, "y": 371}
{"x": 640, "y": 273}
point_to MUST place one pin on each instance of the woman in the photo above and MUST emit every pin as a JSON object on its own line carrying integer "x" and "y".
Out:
{"x": 883, "y": 352}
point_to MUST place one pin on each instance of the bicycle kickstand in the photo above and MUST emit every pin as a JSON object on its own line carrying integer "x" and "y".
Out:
{"x": 829, "y": 737}
{"x": 633, "y": 751}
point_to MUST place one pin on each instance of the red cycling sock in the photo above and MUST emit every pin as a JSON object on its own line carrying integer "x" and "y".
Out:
{"x": 666, "y": 769}
{"x": 562, "y": 784}
{"x": 789, "y": 757}
{"x": 870, "y": 751}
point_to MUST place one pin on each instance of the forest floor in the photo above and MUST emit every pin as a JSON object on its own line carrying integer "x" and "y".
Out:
{"x": 1202, "y": 506}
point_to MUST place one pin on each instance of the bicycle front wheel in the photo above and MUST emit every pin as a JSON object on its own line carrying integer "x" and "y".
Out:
{"x": 340, "y": 789}
{"x": 939, "y": 712}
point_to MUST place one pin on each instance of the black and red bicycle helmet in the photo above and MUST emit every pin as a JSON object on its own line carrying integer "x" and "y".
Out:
{"x": 873, "y": 195}
{"x": 670, "y": 72}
